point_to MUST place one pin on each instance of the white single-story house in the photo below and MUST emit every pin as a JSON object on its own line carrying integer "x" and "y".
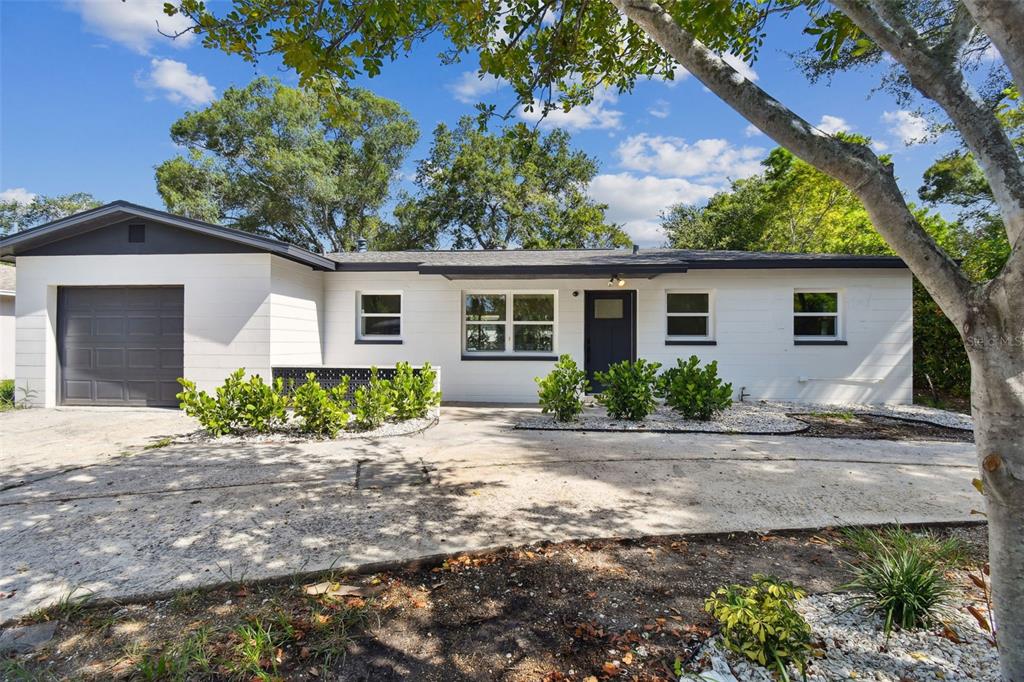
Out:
{"x": 7, "y": 288}
{"x": 114, "y": 304}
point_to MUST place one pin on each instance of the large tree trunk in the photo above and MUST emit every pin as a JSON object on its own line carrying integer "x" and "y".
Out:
{"x": 995, "y": 345}
{"x": 990, "y": 316}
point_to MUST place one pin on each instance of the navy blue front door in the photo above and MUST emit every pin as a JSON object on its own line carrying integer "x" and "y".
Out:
{"x": 609, "y": 330}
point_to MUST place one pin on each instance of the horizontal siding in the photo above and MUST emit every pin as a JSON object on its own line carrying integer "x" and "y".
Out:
{"x": 296, "y": 304}
{"x": 227, "y": 310}
{"x": 753, "y": 325}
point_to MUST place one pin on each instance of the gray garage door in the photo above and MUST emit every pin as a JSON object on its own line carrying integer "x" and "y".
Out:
{"x": 120, "y": 345}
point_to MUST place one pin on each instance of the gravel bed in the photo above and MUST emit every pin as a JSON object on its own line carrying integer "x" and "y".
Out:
{"x": 761, "y": 417}
{"x": 293, "y": 435}
{"x": 855, "y": 647}
{"x": 750, "y": 418}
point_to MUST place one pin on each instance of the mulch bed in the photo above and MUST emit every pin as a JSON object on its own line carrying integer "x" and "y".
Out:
{"x": 569, "y": 611}
{"x": 876, "y": 427}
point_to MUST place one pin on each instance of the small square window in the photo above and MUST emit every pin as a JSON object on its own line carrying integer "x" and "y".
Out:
{"x": 688, "y": 315}
{"x": 380, "y": 315}
{"x": 136, "y": 234}
{"x": 816, "y": 314}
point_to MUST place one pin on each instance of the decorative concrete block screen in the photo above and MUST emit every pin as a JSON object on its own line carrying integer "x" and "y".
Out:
{"x": 329, "y": 377}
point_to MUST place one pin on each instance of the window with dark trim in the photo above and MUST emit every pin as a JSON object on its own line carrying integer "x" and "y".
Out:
{"x": 380, "y": 315}
{"x": 816, "y": 315}
{"x": 507, "y": 322}
{"x": 688, "y": 315}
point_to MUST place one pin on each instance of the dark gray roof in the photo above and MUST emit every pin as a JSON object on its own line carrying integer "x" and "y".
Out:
{"x": 7, "y": 273}
{"x": 119, "y": 210}
{"x": 653, "y": 261}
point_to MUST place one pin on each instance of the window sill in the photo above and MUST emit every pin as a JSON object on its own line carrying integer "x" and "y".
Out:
{"x": 378, "y": 342}
{"x": 816, "y": 342}
{"x": 691, "y": 342}
{"x": 510, "y": 357}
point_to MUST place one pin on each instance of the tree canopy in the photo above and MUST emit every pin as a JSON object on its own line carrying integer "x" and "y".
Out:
{"x": 305, "y": 167}
{"x": 15, "y": 215}
{"x": 517, "y": 187}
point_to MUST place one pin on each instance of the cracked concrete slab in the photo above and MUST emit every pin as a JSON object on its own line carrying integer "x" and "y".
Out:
{"x": 195, "y": 514}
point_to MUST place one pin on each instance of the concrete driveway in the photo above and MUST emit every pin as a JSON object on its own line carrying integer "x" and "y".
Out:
{"x": 83, "y": 504}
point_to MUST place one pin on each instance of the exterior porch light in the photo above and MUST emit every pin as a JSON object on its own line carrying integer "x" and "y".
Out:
{"x": 616, "y": 281}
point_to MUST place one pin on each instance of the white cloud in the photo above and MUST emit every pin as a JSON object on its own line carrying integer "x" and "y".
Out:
{"x": 177, "y": 82}
{"x": 906, "y": 126}
{"x": 18, "y": 195}
{"x": 596, "y": 115}
{"x": 745, "y": 70}
{"x": 660, "y": 109}
{"x": 752, "y": 131}
{"x": 471, "y": 86}
{"x": 879, "y": 146}
{"x": 636, "y": 201}
{"x": 833, "y": 124}
{"x": 713, "y": 159}
{"x": 133, "y": 23}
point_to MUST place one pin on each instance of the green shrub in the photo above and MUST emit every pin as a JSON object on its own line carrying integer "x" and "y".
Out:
{"x": 414, "y": 392}
{"x": 629, "y": 389}
{"x": 375, "y": 402}
{"x": 6, "y": 394}
{"x": 869, "y": 542}
{"x": 321, "y": 412}
{"x": 760, "y": 622}
{"x": 238, "y": 404}
{"x": 561, "y": 391}
{"x": 905, "y": 583}
{"x": 693, "y": 391}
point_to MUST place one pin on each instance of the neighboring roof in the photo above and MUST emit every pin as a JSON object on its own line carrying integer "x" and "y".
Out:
{"x": 119, "y": 210}
{"x": 6, "y": 279}
{"x": 562, "y": 262}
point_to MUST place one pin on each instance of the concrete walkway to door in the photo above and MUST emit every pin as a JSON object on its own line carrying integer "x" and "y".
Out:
{"x": 75, "y": 514}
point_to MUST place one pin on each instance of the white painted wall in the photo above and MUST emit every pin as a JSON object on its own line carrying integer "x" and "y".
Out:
{"x": 296, "y": 314}
{"x": 6, "y": 336}
{"x": 227, "y": 310}
{"x": 753, "y": 325}
{"x": 257, "y": 311}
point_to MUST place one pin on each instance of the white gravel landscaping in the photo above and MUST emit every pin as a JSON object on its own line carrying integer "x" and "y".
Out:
{"x": 855, "y": 647}
{"x": 753, "y": 418}
{"x": 408, "y": 427}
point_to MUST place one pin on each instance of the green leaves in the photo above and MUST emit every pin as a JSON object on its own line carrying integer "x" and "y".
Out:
{"x": 561, "y": 391}
{"x": 322, "y": 413}
{"x": 313, "y": 168}
{"x": 759, "y": 621}
{"x": 629, "y": 389}
{"x": 375, "y": 402}
{"x": 415, "y": 394}
{"x": 695, "y": 392}
{"x": 515, "y": 187}
{"x": 237, "y": 406}
{"x": 15, "y": 215}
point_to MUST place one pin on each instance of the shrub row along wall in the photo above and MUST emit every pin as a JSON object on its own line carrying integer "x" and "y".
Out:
{"x": 329, "y": 377}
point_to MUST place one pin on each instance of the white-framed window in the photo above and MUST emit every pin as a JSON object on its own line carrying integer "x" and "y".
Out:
{"x": 379, "y": 315}
{"x": 508, "y": 322}
{"x": 689, "y": 315}
{"x": 816, "y": 315}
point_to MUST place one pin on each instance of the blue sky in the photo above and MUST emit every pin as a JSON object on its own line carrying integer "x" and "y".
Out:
{"x": 89, "y": 89}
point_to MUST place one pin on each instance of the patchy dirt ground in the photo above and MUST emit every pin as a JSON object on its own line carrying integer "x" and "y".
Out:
{"x": 570, "y": 611}
{"x": 874, "y": 427}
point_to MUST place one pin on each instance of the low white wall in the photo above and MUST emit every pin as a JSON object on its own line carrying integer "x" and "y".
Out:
{"x": 227, "y": 304}
{"x": 753, "y": 327}
{"x": 6, "y": 337}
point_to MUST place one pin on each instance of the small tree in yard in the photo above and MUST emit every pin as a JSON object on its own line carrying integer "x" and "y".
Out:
{"x": 574, "y": 47}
